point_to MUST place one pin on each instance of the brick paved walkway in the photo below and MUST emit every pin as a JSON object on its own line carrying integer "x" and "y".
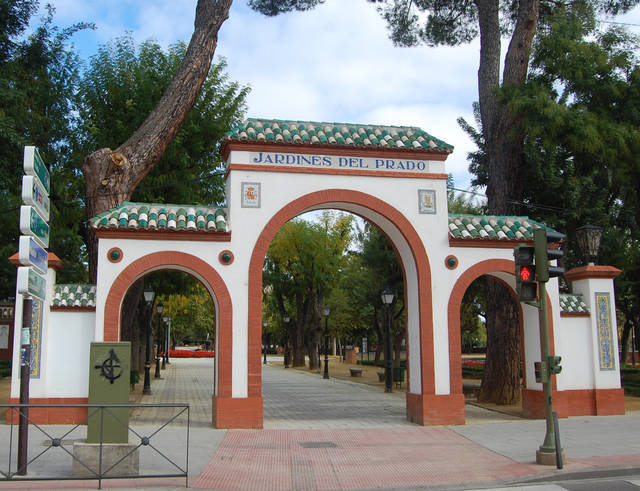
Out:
{"x": 353, "y": 459}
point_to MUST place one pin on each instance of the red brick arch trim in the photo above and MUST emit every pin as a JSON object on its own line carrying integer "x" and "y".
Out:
{"x": 453, "y": 313}
{"x": 335, "y": 197}
{"x": 200, "y": 270}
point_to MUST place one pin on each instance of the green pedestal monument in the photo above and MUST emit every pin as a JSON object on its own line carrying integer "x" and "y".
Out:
{"x": 110, "y": 364}
{"x": 109, "y": 367}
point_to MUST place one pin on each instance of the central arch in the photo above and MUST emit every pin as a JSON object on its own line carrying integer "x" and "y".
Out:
{"x": 415, "y": 263}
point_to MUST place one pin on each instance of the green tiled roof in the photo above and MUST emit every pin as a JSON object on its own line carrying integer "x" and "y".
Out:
{"x": 150, "y": 216}
{"x": 492, "y": 227}
{"x": 74, "y": 296}
{"x": 337, "y": 134}
{"x": 571, "y": 304}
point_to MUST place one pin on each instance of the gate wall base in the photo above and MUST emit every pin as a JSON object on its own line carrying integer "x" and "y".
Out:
{"x": 237, "y": 412}
{"x": 585, "y": 402}
{"x": 52, "y": 415}
{"x": 431, "y": 409}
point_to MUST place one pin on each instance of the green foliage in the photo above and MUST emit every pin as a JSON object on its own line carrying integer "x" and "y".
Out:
{"x": 192, "y": 314}
{"x": 472, "y": 312}
{"x": 275, "y": 7}
{"x": 306, "y": 258}
{"x": 120, "y": 88}
{"x": 630, "y": 380}
{"x": 38, "y": 81}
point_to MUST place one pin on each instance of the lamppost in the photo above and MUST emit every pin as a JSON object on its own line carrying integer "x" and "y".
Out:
{"x": 167, "y": 321}
{"x": 387, "y": 299}
{"x": 286, "y": 341}
{"x": 149, "y": 294}
{"x": 589, "y": 238}
{"x": 326, "y": 311}
{"x": 264, "y": 341}
{"x": 159, "y": 309}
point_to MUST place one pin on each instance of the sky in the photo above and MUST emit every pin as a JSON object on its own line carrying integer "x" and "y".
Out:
{"x": 332, "y": 64}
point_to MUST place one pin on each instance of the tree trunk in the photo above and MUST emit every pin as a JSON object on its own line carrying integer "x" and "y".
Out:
{"x": 111, "y": 176}
{"x": 501, "y": 378}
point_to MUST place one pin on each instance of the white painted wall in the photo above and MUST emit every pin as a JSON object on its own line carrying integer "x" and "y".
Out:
{"x": 577, "y": 357}
{"x": 602, "y": 379}
{"x": 71, "y": 334}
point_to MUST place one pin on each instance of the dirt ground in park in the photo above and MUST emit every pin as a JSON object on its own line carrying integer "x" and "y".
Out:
{"x": 340, "y": 370}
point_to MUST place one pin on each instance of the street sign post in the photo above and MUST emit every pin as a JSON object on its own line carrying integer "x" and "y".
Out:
{"x": 34, "y": 216}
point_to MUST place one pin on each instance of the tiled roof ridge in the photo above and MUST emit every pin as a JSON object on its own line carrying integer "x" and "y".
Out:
{"x": 337, "y": 123}
{"x": 572, "y": 303}
{"x": 467, "y": 226}
{"x": 74, "y": 295}
{"x": 359, "y": 135}
{"x": 163, "y": 216}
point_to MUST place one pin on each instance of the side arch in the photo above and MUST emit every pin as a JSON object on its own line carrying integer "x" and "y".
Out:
{"x": 198, "y": 269}
{"x": 453, "y": 312}
{"x": 352, "y": 201}
{"x": 530, "y": 397}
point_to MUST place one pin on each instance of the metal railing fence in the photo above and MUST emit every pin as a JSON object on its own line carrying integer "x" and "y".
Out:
{"x": 153, "y": 448}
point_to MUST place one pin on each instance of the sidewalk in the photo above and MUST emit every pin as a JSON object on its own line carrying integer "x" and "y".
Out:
{"x": 341, "y": 434}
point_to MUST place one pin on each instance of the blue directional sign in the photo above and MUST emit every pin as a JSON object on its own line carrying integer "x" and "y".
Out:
{"x": 31, "y": 254}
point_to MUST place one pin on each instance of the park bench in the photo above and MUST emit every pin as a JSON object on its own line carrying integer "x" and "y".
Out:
{"x": 356, "y": 372}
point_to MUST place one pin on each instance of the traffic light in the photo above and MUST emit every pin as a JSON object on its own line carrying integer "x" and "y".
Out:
{"x": 526, "y": 286}
{"x": 542, "y": 237}
{"x": 554, "y": 364}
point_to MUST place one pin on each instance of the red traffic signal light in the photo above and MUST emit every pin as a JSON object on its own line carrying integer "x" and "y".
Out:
{"x": 526, "y": 286}
{"x": 526, "y": 273}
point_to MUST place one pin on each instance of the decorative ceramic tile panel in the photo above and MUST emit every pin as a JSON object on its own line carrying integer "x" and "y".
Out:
{"x": 605, "y": 332}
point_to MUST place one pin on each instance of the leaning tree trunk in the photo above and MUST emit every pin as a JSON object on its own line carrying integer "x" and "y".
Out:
{"x": 501, "y": 380}
{"x": 112, "y": 175}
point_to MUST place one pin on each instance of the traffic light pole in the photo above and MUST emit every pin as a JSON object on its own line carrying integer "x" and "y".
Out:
{"x": 548, "y": 449}
{"x": 547, "y": 454}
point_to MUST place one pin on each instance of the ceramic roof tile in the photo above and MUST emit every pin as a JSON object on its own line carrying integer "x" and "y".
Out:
{"x": 572, "y": 303}
{"x": 74, "y": 296}
{"x": 507, "y": 228}
{"x": 150, "y": 216}
{"x": 337, "y": 134}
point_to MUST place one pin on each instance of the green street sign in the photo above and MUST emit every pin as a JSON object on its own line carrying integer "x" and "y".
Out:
{"x": 31, "y": 223}
{"x": 34, "y": 166}
{"x": 31, "y": 283}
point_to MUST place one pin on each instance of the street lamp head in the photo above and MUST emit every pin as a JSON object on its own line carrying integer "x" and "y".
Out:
{"x": 326, "y": 311}
{"x": 160, "y": 307}
{"x": 286, "y": 318}
{"x": 387, "y": 296}
{"x": 149, "y": 294}
{"x": 264, "y": 323}
{"x": 589, "y": 238}
{"x": 165, "y": 318}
